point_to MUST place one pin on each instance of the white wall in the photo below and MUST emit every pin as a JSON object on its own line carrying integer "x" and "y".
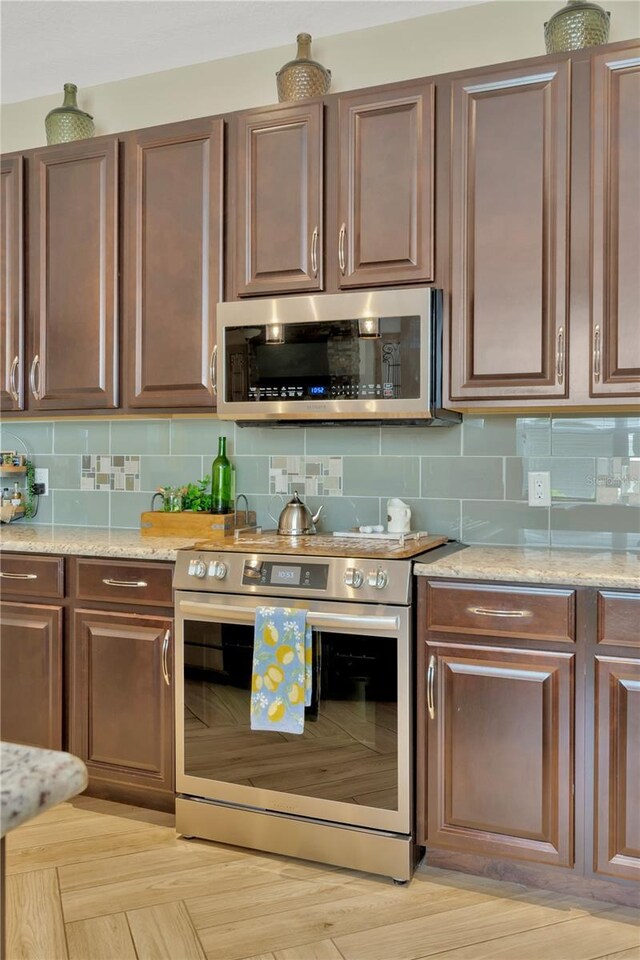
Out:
{"x": 468, "y": 37}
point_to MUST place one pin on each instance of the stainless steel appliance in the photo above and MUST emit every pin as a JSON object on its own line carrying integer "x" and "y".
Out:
{"x": 364, "y": 356}
{"x": 342, "y": 791}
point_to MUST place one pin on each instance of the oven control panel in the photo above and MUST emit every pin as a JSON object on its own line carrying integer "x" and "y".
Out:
{"x": 267, "y": 573}
{"x": 366, "y": 580}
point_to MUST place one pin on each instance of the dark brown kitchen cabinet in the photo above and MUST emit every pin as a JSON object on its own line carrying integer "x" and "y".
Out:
{"x": 121, "y": 721}
{"x": 615, "y": 319}
{"x": 509, "y": 233}
{"x": 31, "y": 674}
{"x": 617, "y": 767}
{"x": 277, "y": 200}
{"x": 11, "y": 284}
{"x": 385, "y": 201}
{"x": 173, "y": 262}
{"x": 73, "y": 288}
{"x": 500, "y": 752}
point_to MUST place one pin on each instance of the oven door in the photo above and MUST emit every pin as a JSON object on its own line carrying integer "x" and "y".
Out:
{"x": 351, "y": 765}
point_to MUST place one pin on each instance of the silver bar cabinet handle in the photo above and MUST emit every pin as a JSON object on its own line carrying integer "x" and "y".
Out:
{"x": 431, "y": 676}
{"x": 212, "y": 370}
{"x": 32, "y": 377}
{"x": 314, "y": 252}
{"x": 560, "y": 355}
{"x": 13, "y": 389}
{"x": 165, "y": 658}
{"x": 341, "y": 240}
{"x": 596, "y": 353}
{"x": 124, "y": 583}
{"x": 18, "y": 576}
{"x": 487, "y": 612}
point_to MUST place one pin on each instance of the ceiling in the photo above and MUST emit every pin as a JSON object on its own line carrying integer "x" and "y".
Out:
{"x": 46, "y": 43}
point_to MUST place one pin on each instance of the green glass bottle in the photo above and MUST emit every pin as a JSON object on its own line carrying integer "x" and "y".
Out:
{"x": 221, "y": 501}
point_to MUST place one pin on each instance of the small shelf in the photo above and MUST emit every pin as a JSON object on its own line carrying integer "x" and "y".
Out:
{"x": 6, "y": 469}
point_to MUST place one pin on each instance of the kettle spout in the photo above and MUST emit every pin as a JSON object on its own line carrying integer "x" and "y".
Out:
{"x": 317, "y": 513}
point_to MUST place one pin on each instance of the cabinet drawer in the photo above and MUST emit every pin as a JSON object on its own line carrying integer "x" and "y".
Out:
{"x": 124, "y": 582}
{"x": 619, "y": 618}
{"x": 26, "y": 575}
{"x": 499, "y": 611}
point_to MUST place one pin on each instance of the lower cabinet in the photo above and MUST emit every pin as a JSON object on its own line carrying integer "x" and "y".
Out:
{"x": 31, "y": 674}
{"x": 121, "y": 718}
{"x": 500, "y": 748}
{"x": 528, "y": 733}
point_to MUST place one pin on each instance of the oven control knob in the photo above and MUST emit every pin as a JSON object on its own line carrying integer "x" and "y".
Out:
{"x": 218, "y": 569}
{"x": 353, "y": 577}
{"x": 198, "y": 568}
{"x": 253, "y": 569}
{"x": 378, "y": 578}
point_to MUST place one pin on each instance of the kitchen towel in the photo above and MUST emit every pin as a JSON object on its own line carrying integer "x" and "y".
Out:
{"x": 281, "y": 675}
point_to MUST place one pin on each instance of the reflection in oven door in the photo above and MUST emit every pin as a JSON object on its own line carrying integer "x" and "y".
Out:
{"x": 349, "y": 749}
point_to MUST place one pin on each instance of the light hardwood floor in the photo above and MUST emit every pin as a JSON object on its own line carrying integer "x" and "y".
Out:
{"x": 93, "y": 880}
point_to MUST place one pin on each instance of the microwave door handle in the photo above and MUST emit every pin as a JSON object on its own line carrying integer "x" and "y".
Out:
{"x": 229, "y": 614}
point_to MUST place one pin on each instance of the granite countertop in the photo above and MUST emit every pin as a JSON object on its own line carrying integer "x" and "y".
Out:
{"x": 89, "y": 542}
{"x": 33, "y": 780}
{"x": 595, "y": 568}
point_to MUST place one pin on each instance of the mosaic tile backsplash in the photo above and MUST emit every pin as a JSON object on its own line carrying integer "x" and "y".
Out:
{"x": 468, "y": 481}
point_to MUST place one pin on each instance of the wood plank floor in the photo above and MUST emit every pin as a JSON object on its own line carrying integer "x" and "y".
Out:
{"x": 93, "y": 880}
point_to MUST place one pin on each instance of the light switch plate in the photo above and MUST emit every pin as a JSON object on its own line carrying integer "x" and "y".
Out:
{"x": 539, "y": 488}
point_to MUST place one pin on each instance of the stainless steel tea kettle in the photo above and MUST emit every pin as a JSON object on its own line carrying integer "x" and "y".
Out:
{"x": 296, "y": 520}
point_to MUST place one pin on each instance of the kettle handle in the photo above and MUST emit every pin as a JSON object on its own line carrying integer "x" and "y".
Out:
{"x": 282, "y": 499}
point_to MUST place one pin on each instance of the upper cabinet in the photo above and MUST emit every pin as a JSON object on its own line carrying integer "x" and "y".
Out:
{"x": 615, "y": 195}
{"x": 509, "y": 196}
{"x": 172, "y": 268}
{"x": 277, "y": 201}
{"x": 73, "y": 289}
{"x": 11, "y": 284}
{"x": 385, "y": 193}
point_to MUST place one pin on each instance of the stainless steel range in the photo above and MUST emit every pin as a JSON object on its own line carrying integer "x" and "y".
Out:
{"x": 340, "y": 792}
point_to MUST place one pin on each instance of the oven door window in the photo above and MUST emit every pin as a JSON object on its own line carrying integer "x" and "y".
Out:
{"x": 349, "y": 749}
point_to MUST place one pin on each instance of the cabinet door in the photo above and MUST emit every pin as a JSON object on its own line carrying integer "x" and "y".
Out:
{"x": 73, "y": 300}
{"x": 11, "y": 284}
{"x": 500, "y": 752}
{"x": 509, "y": 183}
{"x": 31, "y": 674}
{"x": 122, "y": 705}
{"x": 617, "y": 796}
{"x": 385, "y": 202}
{"x": 616, "y": 224}
{"x": 173, "y": 262}
{"x": 278, "y": 200}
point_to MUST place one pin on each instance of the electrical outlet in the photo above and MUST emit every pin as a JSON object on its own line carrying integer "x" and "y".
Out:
{"x": 42, "y": 477}
{"x": 539, "y": 488}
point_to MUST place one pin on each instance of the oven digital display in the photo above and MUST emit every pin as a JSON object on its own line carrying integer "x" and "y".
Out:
{"x": 286, "y": 575}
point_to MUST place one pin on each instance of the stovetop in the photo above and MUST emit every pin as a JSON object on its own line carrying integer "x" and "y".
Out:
{"x": 322, "y": 545}
{"x": 320, "y": 566}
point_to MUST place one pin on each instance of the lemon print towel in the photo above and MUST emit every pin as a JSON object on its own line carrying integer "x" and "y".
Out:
{"x": 281, "y": 677}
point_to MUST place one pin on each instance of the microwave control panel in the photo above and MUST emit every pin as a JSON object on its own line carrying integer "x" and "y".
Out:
{"x": 319, "y": 391}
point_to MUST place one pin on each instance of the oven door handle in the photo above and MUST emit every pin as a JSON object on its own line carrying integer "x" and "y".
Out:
{"x": 327, "y": 620}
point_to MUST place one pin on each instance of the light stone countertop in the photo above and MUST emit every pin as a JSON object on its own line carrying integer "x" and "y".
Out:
{"x": 89, "y": 542}
{"x": 590, "y": 568}
{"x": 34, "y": 780}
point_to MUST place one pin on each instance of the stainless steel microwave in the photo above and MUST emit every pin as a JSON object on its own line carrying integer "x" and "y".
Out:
{"x": 362, "y": 357}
